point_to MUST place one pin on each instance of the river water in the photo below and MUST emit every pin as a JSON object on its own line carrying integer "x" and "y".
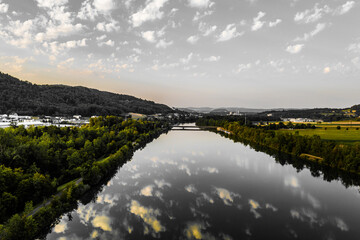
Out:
{"x": 199, "y": 185}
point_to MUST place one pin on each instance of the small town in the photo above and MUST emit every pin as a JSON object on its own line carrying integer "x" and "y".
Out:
{"x": 13, "y": 119}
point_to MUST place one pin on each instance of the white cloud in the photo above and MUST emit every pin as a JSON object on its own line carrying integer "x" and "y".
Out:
{"x": 199, "y": 3}
{"x": 104, "y": 5}
{"x": 199, "y": 15}
{"x": 354, "y": 47}
{"x": 229, "y": 33}
{"x": 108, "y": 27}
{"x": 150, "y": 13}
{"x": 65, "y": 64}
{"x": 193, "y": 39}
{"x": 56, "y": 48}
{"x": 21, "y": 28}
{"x": 3, "y": 7}
{"x": 102, "y": 37}
{"x": 293, "y": 49}
{"x": 51, "y": 3}
{"x": 13, "y": 64}
{"x": 205, "y": 30}
{"x": 276, "y": 22}
{"x": 149, "y": 36}
{"x": 319, "y": 27}
{"x": 187, "y": 59}
{"x": 20, "y": 34}
{"x": 164, "y": 44}
{"x": 278, "y": 65}
{"x": 128, "y": 3}
{"x": 258, "y": 24}
{"x": 243, "y": 67}
{"x": 212, "y": 59}
{"x": 346, "y": 7}
{"x": 252, "y": 1}
{"x": 356, "y": 61}
{"x": 87, "y": 11}
{"x": 63, "y": 29}
{"x": 74, "y": 44}
{"x": 109, "y": 43}
{"x": 312, "y": 15}
{"x": 59, "y": 23}
{"x": 137, "y": 50}
{"x": 161, "y": 32}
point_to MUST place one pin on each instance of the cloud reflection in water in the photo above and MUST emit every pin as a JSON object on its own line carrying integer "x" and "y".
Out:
{"x": 147, "y": 191}
{"x": 148, "y": 215}
{"x": 102, "y": 222}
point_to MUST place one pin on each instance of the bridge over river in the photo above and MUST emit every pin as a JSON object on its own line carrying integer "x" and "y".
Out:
{"x": 192, "y": 128}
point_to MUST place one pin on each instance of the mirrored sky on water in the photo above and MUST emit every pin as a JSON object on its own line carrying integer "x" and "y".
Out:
{"x": 198, "y": 185}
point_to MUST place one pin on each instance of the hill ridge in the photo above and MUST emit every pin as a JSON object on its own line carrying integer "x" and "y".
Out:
{"x": 27, "y": 98}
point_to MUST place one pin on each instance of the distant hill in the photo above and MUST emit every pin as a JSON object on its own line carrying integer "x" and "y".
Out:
{"x": 229, "y": 109}
{"x": 219, "y": 111}
{"x": 26, "y": 98}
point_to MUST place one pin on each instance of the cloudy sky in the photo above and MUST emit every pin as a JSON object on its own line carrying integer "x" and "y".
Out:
{"x": 245, "y": 53}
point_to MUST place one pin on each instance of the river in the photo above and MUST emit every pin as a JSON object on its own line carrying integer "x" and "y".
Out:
{"x": 199, "y": 185}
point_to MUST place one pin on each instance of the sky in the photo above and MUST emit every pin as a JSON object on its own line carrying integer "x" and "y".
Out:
{"x": 217, "y": 53}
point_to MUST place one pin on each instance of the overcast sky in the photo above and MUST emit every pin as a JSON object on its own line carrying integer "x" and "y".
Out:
{"x": 244, "y": 53}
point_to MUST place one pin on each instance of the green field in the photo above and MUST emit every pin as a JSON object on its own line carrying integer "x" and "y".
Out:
{"x": 342, "y": 136}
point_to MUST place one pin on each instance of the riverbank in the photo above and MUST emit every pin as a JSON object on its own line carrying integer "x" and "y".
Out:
{"x": 32, "y": 222}
{"x": 343, "y": 157}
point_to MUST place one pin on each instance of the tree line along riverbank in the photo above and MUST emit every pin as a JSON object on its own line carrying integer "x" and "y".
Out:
{"x": 60, "y": 164}
{"x": 335, "y": 155}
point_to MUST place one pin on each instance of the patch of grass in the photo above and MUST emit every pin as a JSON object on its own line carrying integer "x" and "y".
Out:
{"x": 330, "y": 133}
{"x": 62, "y": 187}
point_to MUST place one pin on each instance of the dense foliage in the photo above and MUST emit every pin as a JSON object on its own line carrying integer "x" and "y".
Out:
{"x": 346, "y": 157}
{"x": 30, "y": 99}
{"x": 289, "y": 125}
{"x": 35, "y": 161}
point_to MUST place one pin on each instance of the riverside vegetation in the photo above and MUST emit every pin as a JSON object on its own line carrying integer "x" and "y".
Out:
{"x": 40, "y": 162}
{"x": 335, "y": 155}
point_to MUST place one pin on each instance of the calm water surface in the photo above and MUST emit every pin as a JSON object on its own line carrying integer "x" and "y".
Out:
{"x": 199, "y": 185}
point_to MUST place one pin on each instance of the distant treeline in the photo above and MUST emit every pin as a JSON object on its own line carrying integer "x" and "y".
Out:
{"x": 248, "y": 119}
{"x": 25, "y": 98}
{"x": 345, "y": 157}
{"x": 326, "y": 114}
{"x": 34, "y": 162}
{"x": 289, "y": 125}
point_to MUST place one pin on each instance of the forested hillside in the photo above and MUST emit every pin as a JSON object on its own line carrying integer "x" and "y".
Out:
{"x": 26, "y": 98}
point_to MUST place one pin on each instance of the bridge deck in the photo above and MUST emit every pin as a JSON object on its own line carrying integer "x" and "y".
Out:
{"x": 191, "y": 127}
